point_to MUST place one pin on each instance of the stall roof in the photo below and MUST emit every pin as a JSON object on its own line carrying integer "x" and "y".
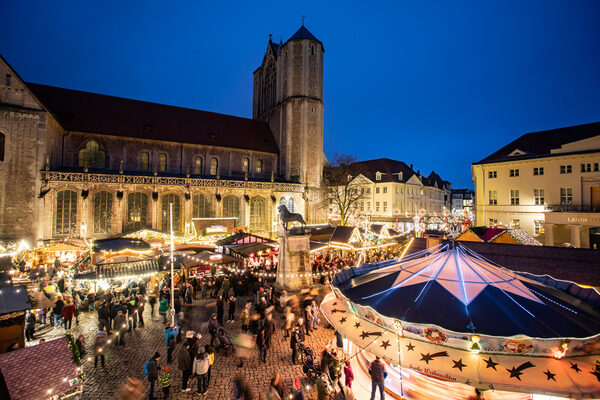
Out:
{"x": 458, "y": 290}
{"x": 247, "y": 249}
{"x": 345, "y": 234}
{"x": 14, "y": 298}
{"x": 40, "y": 299}
{"x": 30, "y": 372}
{"x": 208, "y": 257}
{"x": 242, "y": 238}
{"x": 120, "y": 244}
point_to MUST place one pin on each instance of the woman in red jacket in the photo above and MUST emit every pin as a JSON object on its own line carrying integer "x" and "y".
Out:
{"x": 348, "y": 374}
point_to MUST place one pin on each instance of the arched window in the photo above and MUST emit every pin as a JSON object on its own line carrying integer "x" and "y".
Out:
{"x": 198, "y": 166}
{"x": 258, "y": 220}
{"x": 201, "y": 206}
{"x": 91, "y": 156}
{"x": 269, "y": 87}
{"x": 259, "y": 166}
{"x": 137, "y": 211}
{"x": 2, "y": 143}
{"x": 145, "y": 161}
{"x": 245, "y": 165}
{"x": 102, "y": 212}
{"x": 165, "y": 225}
{"x": 214, "y": 166}
{"x": 290, "y": 204}
{"x": 66, "y": 212}
{"x": 162, "y": 162}
{"x": 231, "y": 207}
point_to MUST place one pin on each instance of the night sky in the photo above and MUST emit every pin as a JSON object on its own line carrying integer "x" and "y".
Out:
{"x": 436, "y": 84}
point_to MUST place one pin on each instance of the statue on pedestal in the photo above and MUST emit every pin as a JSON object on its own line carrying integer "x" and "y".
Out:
{"x": 286, "y": 216}
{"x": 294, "y": 271}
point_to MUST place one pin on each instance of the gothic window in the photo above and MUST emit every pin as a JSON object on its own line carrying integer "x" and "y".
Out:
{"x": 245, "y": 165}
{"x": 92, "y": 156}
{"x": 258, "y": 206}
{"x": 259, "y": 166}
{"x": 162, "y": 162}
{"x": 231, "y": 207}
{"x": 66, "y": 212}
{"x": 167, "y": 199}
{"x": 2, "y": 143}
{"x": 145, "y": 161}
{"x": 198, "y": 166}
{"x": 137, "y": 211}
{"x": 201, "y": 206}
{"x": 312, "y": 50}
{"x": 102, "y": 212}
{"x": 7, "y": 79}
{"x": 290, "y": 205}
{"x": 269, "y": 87}
{"x": 214, "y": 166}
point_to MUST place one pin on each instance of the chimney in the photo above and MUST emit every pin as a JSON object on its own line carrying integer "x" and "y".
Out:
{"x": 411, "y": 166}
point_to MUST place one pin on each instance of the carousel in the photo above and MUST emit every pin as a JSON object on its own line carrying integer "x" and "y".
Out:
{"x": 448, "y": 321}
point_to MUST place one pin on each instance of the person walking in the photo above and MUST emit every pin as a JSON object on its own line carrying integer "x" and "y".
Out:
{"x": 261, "y": 344}
{"x": 232, "y": 304}
{"x": 163, "y": 307}
{"x": 297, "y": 391}
{"x": 99, "y": 348}
{"x": 211, "y": 358}
{"x": 165, "y": 381}
{"x": 152, "y": 369}
{"x": 289, "y": 318}
{"x": 171, "y": 333}
{"x": 184, "y": 363}
{"x": 315, "y": 315}
{"x": 29, "y": 325}
{"x": 308, "y": 320}
{"x": 67, "y": 313}
{"x": 42, "y": 312}
{"x": 152, "y": 302}
{"x": 213, "y": 327}
{"x": 245, "y": 319}
{"x": 80, "y": 342}
{"x": 273, "y": 392}
{"x": 377, "y": 372}
{"x": 348, "y": 374}
{"x": 141, "y": 304}
{"x": 103, "y": 317}
{"x": 296, "y": 338}
{"x": 220, "y": 310}
{"x": 120, "y": 326}
{"x": 57, "y": 310}
{"x": 241, "y": 390}
{"x": 200, "y": 369}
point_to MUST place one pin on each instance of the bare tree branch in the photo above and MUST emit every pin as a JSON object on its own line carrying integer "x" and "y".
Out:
{"x": 343, "y": 191}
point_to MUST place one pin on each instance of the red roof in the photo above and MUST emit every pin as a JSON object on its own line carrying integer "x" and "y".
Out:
{"x": 490, "y": 233}
{"x": 31, "y": 371}
{"x": 97, "y": 113}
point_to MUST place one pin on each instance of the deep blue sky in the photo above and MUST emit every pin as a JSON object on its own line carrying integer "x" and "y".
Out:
{"x": 436, "y": 84}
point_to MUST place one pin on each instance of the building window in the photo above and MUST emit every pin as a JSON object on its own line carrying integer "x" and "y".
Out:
{"x": 538, "y": 227}
{"x": 514, "y": 172}
{"x": 538, "y": 171}
{"x": 214, "y": 166}
{"x": 385, "y": 189}
{"x": 258, "y": 206}
{"x": 596, "y": 167}
{"x": 231, "y": 207}
{"x": 515, "y": 224}
{"x": 245, "y": 165}
{"x": 362, "y": 206}
{"x": 492, "y": 222}
{"x": 377, "y": 190}
{"x": 566, "y": 196}
{"x": 514, "y": 197}
{"x": 493, "y": 196}
{"x": 384, "y": 206}
{"x": 167, "y": 199}
{"x": 259, "y": 166}
{"x": 368, "y": 190}
{"x": 66, "y": 212}
{"x": 492, "y": 174}
{"x": 145, "y": 161}
{"x": 368, "y": 206}
{"x": 2, "y": 144}
{"x": 565, "y": 169}
{"x": 586, "y": 167}
{"x": 376, "y": 206}
{"x": 91, "y": 156}
{"x": 162, "y": 163}
{"x": 201, "y": 207}
{"x": 102, "y": 212}
{"x": 198, "y": 166}
{"x": 378, "y": 176}
{"x": 290, "y": 204}
{"x": 137, "y": 211}
{"x": 7, "y": 79}
{"x": 538, "y": 196}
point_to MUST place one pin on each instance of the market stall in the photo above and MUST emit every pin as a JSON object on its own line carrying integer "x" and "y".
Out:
{"x": 451, "y": 315}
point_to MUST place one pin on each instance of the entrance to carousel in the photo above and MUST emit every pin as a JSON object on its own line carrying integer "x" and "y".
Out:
{"x": 595, "y": 198}
{"x": 595, "y": 238}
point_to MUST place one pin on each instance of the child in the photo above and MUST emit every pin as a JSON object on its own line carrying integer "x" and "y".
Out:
{"x": 165, "y": 380}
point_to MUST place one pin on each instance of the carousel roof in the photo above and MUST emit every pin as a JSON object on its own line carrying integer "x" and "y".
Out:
{"x": 120, "y": 244}
{"x": 458, "y": 290}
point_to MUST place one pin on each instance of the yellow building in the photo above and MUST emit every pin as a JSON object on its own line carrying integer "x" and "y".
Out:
{"x": 547, "y": 183}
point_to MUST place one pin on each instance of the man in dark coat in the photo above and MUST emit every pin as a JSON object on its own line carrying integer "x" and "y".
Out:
{"x": 261, "y": 344}
{"x": 232, "y": 304}
{"x": 184, "y": 363}
{"x": 213, "y": 327}
{"x": 153, "y": 369}
{"x": 269, "y": 330}
{"x": 220, "y": 309}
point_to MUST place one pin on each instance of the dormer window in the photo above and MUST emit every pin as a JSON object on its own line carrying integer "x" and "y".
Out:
{"x": 378, "y": 176}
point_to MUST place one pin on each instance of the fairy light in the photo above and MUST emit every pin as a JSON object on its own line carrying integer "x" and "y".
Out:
{"x": 475, "y": 344}
{"x": 562, "y": 350}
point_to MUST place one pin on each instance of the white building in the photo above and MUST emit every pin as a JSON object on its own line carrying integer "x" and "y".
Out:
{"x": 547, "y": 183}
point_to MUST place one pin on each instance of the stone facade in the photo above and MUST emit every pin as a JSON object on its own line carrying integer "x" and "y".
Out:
{"x": 57, "y": 182}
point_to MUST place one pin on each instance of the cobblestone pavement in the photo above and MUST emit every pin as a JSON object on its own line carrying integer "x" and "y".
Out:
{"x": 143, "y": 342}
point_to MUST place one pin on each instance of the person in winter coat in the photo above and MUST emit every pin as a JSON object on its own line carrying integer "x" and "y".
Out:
{"x": 99, "y": 349}
{"x": 67, "y": 314}
{"x": 273, "y": 393}
{"x": 163, "y": 307}
{"x": 153, "y": 369}
{"x": 270, "y": 329}
{"x": 322, "y": 388}
{"x": 289, "y": 318}
{"x": 210, "y": 350}
{"x": 348, "y": 374}
{"x": 377, "y": 371}
{"x": 241, "y": 390}
{"x": 245, "y": 319}
{"x": 232, "y": 304}
{"x": 315, "y": 315}
{"x": 103, "y": 317}
{"x": 29, "y": 325}
{"x": 200, "y": 367}
{"x": 171, "y": 333}
{"x": 308, "y": 320}
{"x": 261, "y": 344}
{"x": 57, "y": 310}
{"x": 220, "y": 310}
{"x": 80, "y": 342}
{"x": 213, "y": 327}
{"x": 152, "y": 301}
{"x": 297, "y": 391}
{"x": 120, "y": 325}
{"x": 184, "y": 363}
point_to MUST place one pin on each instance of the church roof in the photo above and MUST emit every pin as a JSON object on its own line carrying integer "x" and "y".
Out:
{"x": 540, "y": 144}
{"x": 303, "y": 33}
{"x": 97, "y": 113}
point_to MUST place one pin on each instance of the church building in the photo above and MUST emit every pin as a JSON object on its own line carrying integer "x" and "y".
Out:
{"x": 75, "y": 163}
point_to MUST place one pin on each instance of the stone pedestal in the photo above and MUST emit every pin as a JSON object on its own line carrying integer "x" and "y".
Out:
{"x": 294, "y": 270}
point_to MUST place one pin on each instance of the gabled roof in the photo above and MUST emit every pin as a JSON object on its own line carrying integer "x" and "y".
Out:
{"x": 536, "y": 144}
{"x": 344, "y": 234}
{"x": 108, "y": 115}
{"x": 390, "y": 169}
{"x": 14, "y": 298}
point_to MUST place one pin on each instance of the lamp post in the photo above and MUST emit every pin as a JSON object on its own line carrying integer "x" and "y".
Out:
{"x": 172, "y": 267}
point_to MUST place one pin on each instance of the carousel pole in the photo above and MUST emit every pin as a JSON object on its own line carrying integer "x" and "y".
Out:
{"x": 172, "y": 268}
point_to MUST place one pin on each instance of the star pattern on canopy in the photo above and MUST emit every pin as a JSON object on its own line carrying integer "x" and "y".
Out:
{"x": 575, "y": 367}
{"x": 459, "y": 364}
{"x": 410, "y": 347}
{"x": 385, "y": 344}
{"x": 516, "y": 372}
{"x": 491, "y": 363}
{"x": 550, "y": 375}
{"x": 428, "y": 357}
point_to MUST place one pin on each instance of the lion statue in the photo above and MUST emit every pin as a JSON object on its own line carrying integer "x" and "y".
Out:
{"x": 286, "y": 216}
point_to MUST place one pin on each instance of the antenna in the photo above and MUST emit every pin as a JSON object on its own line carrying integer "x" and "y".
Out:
{"x": 304, "y": 16}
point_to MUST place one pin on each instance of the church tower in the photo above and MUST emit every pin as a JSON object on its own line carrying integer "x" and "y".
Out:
{"x": 288, "y": 93}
